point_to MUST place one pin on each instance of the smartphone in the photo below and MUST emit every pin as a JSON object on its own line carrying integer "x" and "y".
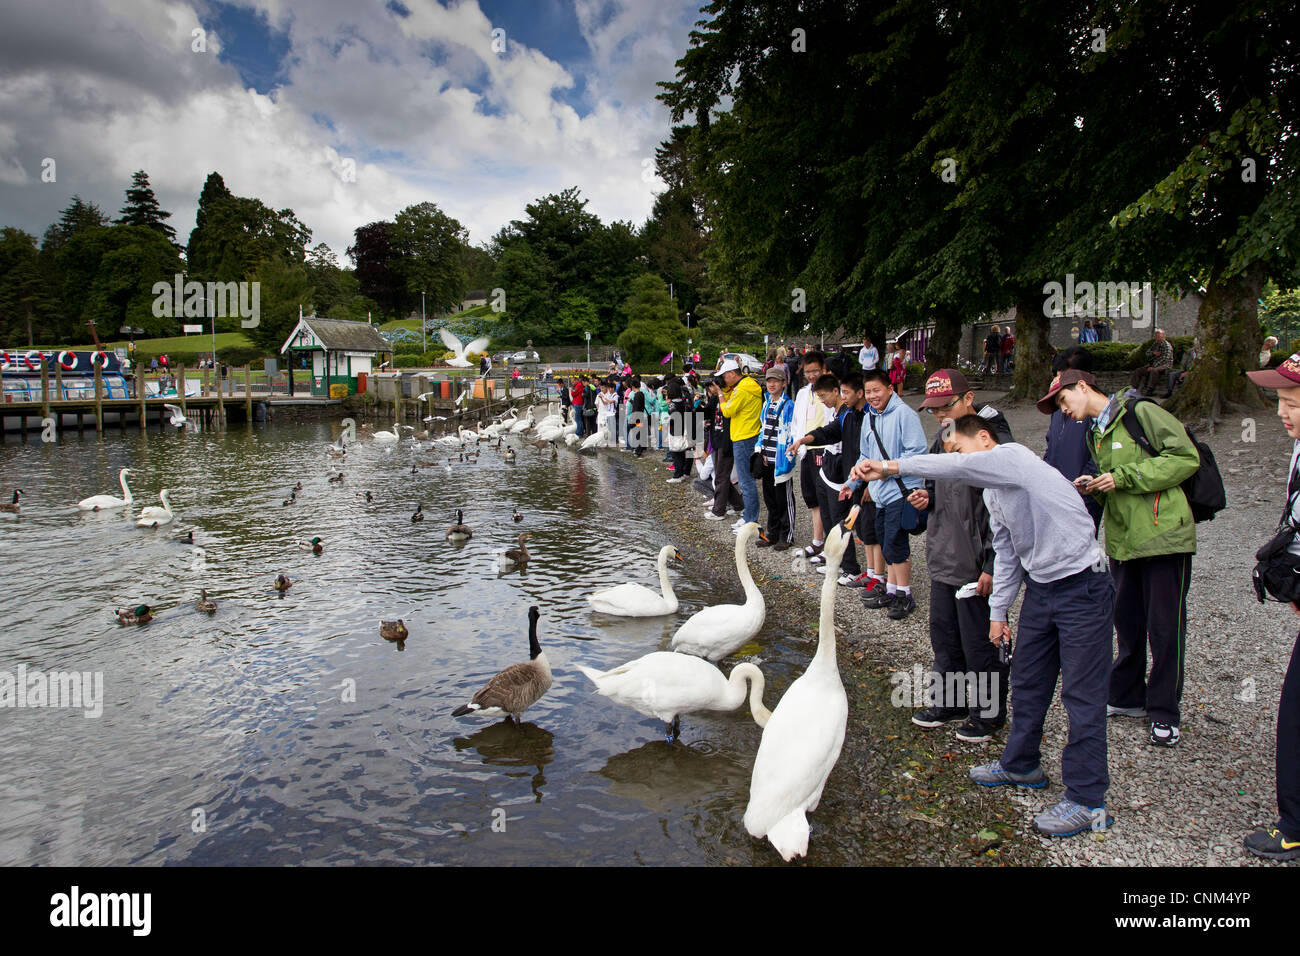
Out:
{"x": 1004, "y": 650}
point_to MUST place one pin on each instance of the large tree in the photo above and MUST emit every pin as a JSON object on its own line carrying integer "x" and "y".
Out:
{"x": 653, "y": 329}
{"x": 142, "y": 208}
{"x": 430, "y": 245}
{"x": 233, "y": 234}
{"x": 378, "y": 269}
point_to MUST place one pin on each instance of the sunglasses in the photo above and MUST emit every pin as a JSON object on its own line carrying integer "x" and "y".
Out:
{"x": 937, "y": 409}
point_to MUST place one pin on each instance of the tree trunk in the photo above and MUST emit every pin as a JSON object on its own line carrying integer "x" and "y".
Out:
{"x": 1228, "y": 324}
{"x": 1033, "y": 350}
{"x": 28, "y": 306}
{"x": 944, "y": 344}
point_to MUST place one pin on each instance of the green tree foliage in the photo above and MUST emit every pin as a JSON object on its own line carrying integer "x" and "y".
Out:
{"x": 378, "y": 269}
{"x": 285, "y": 288}
{"x": 653, "y": 329}
{"x": 430, "y": 248}
{"x": 575, "y": 316}
{"x": 529, "y": 295}
{"x": 109, "y": 273}
{"x": 142, "y": 207}
{"x": 233, "y": 234}
{"x": 25, "y": 300}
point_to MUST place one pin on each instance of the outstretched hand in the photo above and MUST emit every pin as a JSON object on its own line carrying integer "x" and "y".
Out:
{"x": 868, "y": 470}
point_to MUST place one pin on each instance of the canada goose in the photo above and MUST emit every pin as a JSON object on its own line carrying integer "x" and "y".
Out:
{"x": 802, "y": 739}
{"x": 714, "y": 632}
{"x": 298, "y": 486}
{"x": 336, "y": 479}
{"x": 153, "y": 516}
{"x": 508, "y": 454}
{"x": 637, "y": 600}
{"x": 109, "y": 502}
{"x": 12, "y": 507}
{"x": 188, "y": 538}
{"x": 136, "y": 615}
{"x": 292, "y": 499}
{"x": 204, "y": 604}
{"x": 515, "y": 557}
{"x": 282, "y": 582}
{"x": 459, "y": 531}
{"x": 517, "y": 687}
{"x": 314, "y": 546}
{"x": 419, "y": 513}
{"x": 394, "y": 631}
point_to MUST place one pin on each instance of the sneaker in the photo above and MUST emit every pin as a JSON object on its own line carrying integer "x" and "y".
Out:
{"x": 976, "y": 731}
{"x": 1068, "y": 818}
{"x": 1270, "y": 843}
{"x": 676, "y": 481}
{"x": 903, "y": 605}
{"x": 820, "y": 569}
{"x": 877, "y": 598}
{"x": 1164, "y": 735}
{"x": 861, "y": 581}
{"x": 993, "y": 775}
{"x": 845, "y": 580}
{"x": 738, "y": 524}
{"x": 1113, "y": 711}
{"x": 931, "y": 717}
{"x": 764, "y": 541}
{"x": 710, "y": 516}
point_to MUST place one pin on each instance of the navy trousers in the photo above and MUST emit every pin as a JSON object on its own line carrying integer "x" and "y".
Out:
{"x": 1065, "y": 629}
{"x": 1288, "y": 749}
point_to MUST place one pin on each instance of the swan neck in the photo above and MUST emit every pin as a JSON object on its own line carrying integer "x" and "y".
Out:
{"x": 664, "y": 584}
{"x": 826, "y": 623}
{"x": 126, "y": 491}
{"x": 739, "y": 674}
{"x": 742, "y": 569}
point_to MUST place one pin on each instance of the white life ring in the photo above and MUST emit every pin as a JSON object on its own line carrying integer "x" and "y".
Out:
{"x": 28, "y": 359}
{"x": 103, "y": 359}
{"x": 4, "y": 359}
{"x": 66, "y": 366}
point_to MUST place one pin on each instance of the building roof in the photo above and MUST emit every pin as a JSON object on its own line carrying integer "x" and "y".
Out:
{"x": 340, "y": 335}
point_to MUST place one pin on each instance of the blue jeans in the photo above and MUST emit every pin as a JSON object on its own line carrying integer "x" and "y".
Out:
{"x": 743, "y": 451}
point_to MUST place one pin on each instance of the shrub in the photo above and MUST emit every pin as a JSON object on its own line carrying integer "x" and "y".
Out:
{"x": 242, "y": 355}
{"x": 406, "y": 361}
{"x": 1110, "y": 356}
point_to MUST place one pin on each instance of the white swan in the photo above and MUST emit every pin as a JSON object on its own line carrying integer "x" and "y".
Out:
{"x": 153, "y": 516}
{"x": 178, "y": 417}
{"x": 571, "y": 439}
{"x": 667, "y": 685}
{"x": 556, "y": 432}
{"x": 600, "y": 437}
{"x": 388, "y": 438}
{"x": 551, "y": 417}
{"x": 453, "y": 343}
{"x": 523, "y": 424}
{"x": 637, "y": 600}
{"x": 803, "y": 737}
{"x": 108, "y": 502}
{"x": 714, "y": 632}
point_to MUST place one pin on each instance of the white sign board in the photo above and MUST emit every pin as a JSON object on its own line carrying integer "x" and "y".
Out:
{"x": 187, "y": 329}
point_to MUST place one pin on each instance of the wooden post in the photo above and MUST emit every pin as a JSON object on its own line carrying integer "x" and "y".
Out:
{"x": 58, "y": 381}
{"x": 221, "y": 408}
{"x": 248, "y": 394}
{"x": 99, "y": 399}
{"x": 397, "y": 398}
{"x": 180, "y": 386}
{"x": 45, "y": 388}
{"x": 140, "y": 393}
{"x": 205, "y": 389}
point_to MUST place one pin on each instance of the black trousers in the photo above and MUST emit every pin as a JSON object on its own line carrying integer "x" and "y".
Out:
{"x": 1288, "y": 749}
{"x": 725, "y": 494}
{"x": 964, "y": 658}
{"x": 834, "y": 511}
{"x": 1150, "y": 608}
{"x": 780, "y": 505}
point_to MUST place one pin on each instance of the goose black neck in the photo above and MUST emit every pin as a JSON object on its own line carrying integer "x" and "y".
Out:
{"x": 459, "y": 518}
{"x": 534, "y": 648}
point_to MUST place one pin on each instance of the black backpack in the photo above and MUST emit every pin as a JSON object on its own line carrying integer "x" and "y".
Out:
{"x": 1204, "y": 489}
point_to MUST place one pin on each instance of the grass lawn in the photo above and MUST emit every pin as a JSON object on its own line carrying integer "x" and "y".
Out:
{"x": 176, "y": 343}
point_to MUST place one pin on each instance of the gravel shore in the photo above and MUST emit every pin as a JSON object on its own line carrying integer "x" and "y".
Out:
{"x": 900, "y": 794}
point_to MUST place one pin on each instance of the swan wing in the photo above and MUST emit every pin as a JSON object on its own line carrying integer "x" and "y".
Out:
{"x": 453, "y": 343}
{"x": 714, "y": 632}
{"x": 630, "y": 600}
{"x": 662, "y": 684}
{"x": 101, "y": 503}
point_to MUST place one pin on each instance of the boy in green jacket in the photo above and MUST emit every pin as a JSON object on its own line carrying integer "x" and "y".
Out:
{"x": 1150, "y": 539}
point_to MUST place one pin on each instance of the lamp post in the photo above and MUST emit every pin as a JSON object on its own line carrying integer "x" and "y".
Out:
{"x": 588, "y": 350}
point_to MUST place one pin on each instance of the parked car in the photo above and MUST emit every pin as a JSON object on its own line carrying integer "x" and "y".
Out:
{"x": 748, "y": 364}
{"x": 524, "y": 357}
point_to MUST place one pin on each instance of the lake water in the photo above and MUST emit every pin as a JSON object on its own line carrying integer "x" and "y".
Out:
{"x": 231, "y": 739}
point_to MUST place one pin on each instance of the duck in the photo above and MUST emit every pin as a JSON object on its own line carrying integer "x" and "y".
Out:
{"x": 140, "y": 614}
{"x": 666, "y": 685}
{"x": 394, "y": 631}
{"x": 516, "y": 688}
{"x": 508, "y": 454}
{"x": 204, "y": 604}
{"x": 282, "y": 582}
{"x": 714, "y": 632}
{"x": 298, "y": 486}
{"x": 388, "y": 438}
{"x": 153, "y": 516}
{"x": 802, "y": 739}
{"x": 12, "y": 507}
{"x": 292, "y": 499}
{"x": 366, "y": 495}
{"x": 336, "y": 451}
{"x": 109, "y": 502}
{"x": 336, "y": 479}
{"x": 517, "y": 516}
{"x": 314, "y": 546}
{"x": 459, "y": 531}
{"x": 515, "y": 557}
{"x": 187, "y": 538}
{"x": 637, "y": 600}
{"x": 419, "y": 513}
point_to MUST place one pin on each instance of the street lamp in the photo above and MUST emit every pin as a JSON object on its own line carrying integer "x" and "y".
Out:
{"x": 588, "y": 350}
{"x": 424, "y": 345}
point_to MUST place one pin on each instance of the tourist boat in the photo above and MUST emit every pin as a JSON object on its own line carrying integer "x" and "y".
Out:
{"x": 20, "y": 383}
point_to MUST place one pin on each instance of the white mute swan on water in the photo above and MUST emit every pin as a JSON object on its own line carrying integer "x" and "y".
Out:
{"x": 600, "y": 437}
{"x": 153, "y": 516}
{"x": 523, "y": 424}
{"x": 637, "y": 600}
{"x": 108, "y": 502}
{"x": 387, "y": 438}
{"x": 714, "y": 632}
{"x": 667, "y": 685}
{"x": 803, "y": 737}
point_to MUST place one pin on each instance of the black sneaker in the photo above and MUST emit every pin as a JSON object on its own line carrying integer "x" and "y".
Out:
{"x": 938, "y": 716}
{"x": 781, "y": 546}
{"x": 1164, "y": 735}
{"x": 1272, "y": 844}
{"x": 877, "y": 597}
{"x": 977, "y": 731}
{"x": 903, "y": 605}
{"x": 764, "y": 541}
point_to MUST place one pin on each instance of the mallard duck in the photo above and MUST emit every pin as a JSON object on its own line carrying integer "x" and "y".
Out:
{"x": 136, "y": 615}
{"x": 515, "y": 557}
{"x": 282, "y": 582}
{"x": 292, "y": 499}
{"x": 459, "y": 531}
{"x": 12, "y": 507}
{"x": 314, "y": 546}
{"x": 298, "y": 486}
{"x": 204, "y": 604}
{"x": 337, "y": 478}
{"x": 517, "y": 516}
{"x": 367, "y": 496}
{"x": 419, "y": 513}
{"x": 517, "y": 687}
{"x": 394, "y": 631}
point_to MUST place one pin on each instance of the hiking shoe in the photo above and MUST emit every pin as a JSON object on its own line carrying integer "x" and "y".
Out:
{"x": 1270, "y": 843}
{"x": 977, "y": 731}
{"x": 710, "y": 516}
{"x": 861, "y": 581}
{"x": 1113, "y": 711}
{"x": 903, "y": 605}
{"x": 876, "y": 598}
{"x": 764, "y": 541}
{"x": 931, "y": 717}
{"x": 1068, "y": 818}
{"x": 1164, "y": 735}
{"x": 993, "y": 775}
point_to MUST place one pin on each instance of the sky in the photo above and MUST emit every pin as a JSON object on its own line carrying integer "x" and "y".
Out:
{"x": 345, "y": 111}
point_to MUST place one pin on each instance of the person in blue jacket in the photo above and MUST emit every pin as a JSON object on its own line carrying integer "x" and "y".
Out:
{"x": 1067, "y": 440}
{"x": 774, "y": 442}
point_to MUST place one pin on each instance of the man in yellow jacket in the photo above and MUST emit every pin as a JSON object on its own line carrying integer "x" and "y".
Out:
{"x": 742, "y": 403}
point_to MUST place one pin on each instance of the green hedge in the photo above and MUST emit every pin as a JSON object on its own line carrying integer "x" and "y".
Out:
{"x": 1126, "y": 356}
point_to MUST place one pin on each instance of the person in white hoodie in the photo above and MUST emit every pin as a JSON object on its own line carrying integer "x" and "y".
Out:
{"x": 809, "y": 414}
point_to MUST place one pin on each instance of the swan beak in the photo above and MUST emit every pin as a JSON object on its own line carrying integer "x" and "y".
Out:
{"x": 853, "y": 516}
{"x": 678, "y": 556}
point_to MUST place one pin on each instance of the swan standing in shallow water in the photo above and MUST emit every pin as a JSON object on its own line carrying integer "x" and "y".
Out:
{"x": 388, "y": 438}
{"x": 714, "y": 632}
{"x": 667, "y": 685}
{"x": 108, "y": 502}
{"x": 637, "y": 600}
{"x": 803, "y": 737}
{"x": 153, "y": 516}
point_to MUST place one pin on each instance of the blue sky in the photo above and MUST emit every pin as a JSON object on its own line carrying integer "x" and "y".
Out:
{"x": 343, "y": 110}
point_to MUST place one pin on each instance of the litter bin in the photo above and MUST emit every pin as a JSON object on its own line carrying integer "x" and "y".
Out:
{"x": 361, "y": 381}
{"x": 444, "y": 389}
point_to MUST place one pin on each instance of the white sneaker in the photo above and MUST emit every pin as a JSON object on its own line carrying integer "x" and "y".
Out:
{"x": 821, "y": 569}
{"x": 738, "y": 525}
{"x": 710, "y": 516}
{"x": 675, "y": 481}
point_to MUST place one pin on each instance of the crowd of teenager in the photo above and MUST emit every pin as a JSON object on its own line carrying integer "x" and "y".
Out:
{"x": 1106, "y": 614}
